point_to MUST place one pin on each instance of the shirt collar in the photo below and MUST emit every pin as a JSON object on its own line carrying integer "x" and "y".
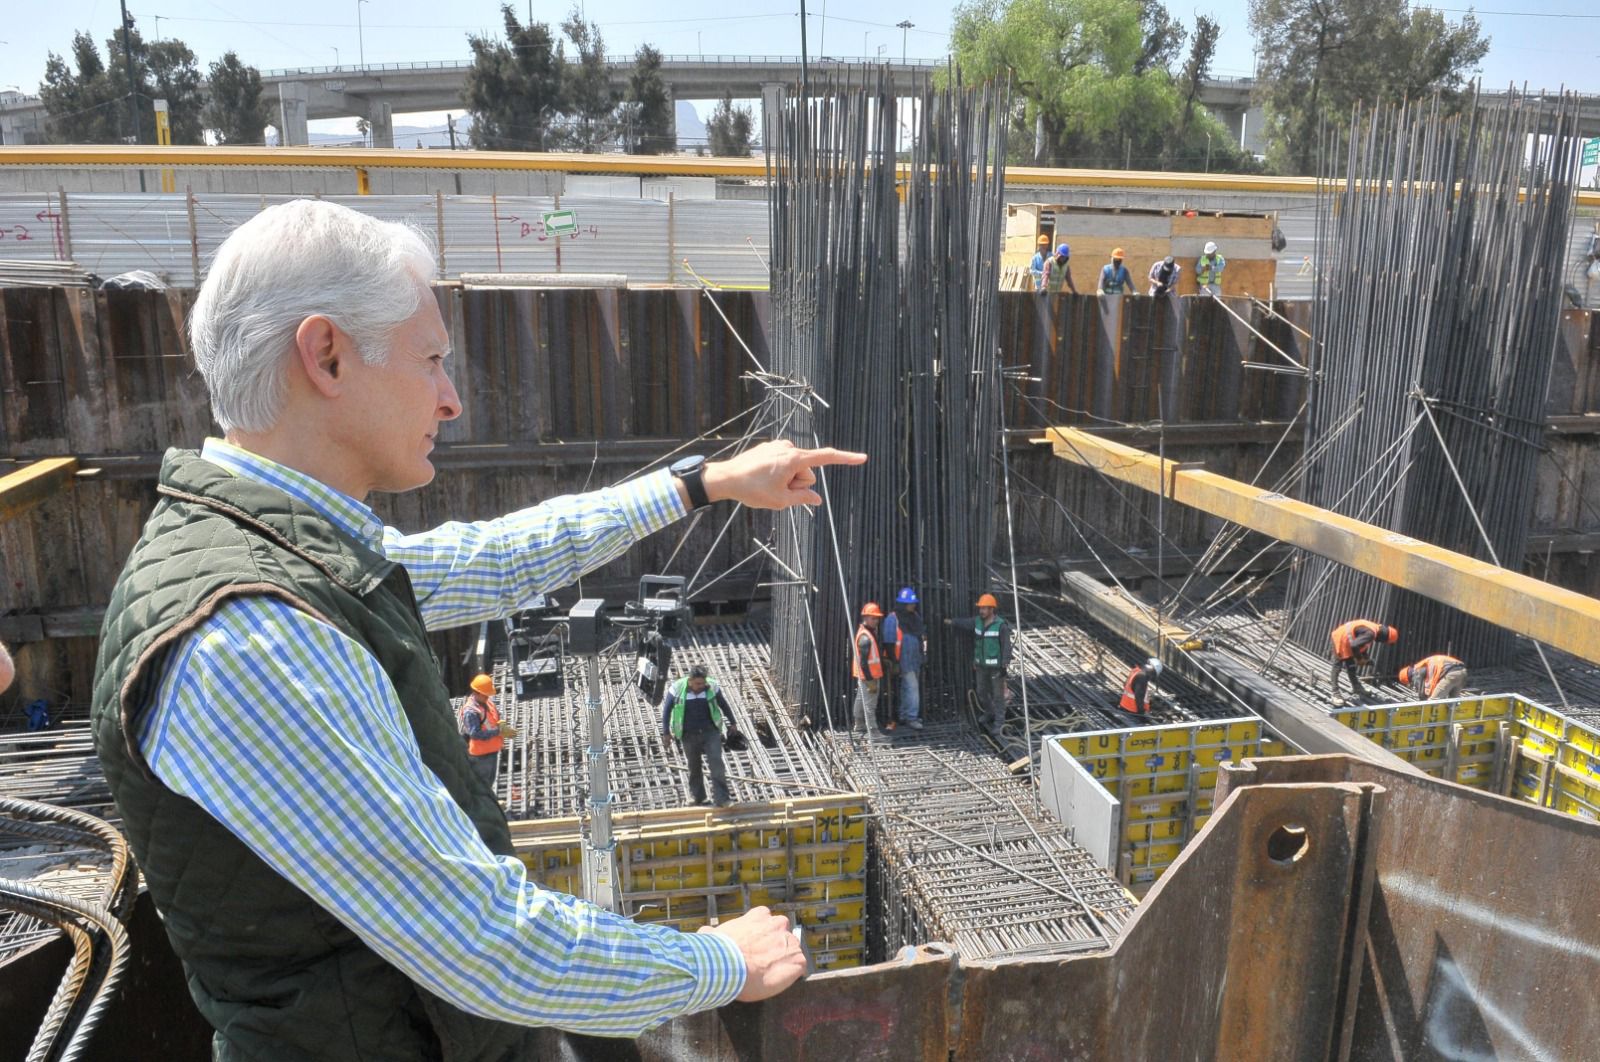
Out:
{"x": 343, "y": 511}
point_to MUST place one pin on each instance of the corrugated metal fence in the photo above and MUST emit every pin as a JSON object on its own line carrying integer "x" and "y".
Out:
{"x": 652, "y": 241}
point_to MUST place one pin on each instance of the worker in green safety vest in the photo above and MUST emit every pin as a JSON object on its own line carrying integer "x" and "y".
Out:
{"x": 694, "y": 713}
{"x": 1208, "y": 270}
{"x": 991, "y": 656}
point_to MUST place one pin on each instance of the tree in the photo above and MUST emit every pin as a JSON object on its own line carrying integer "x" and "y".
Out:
{"x": 648, "y": 123}
{"x": 1202, "y": 46}
{"x": 1318, "y": 58}
{"x": 88, "y": 101}
{"x": 728, "y": 130}
{"x": 591, "y": 102}
{"x": 514, "y": 87}
{"x": 1163, "y": 38}
{"x": 1092, "y": 83}
{"x": 235, "y": 111}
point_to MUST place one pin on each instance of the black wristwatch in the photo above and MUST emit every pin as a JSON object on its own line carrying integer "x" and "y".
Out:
{"x": 692, "y": 470}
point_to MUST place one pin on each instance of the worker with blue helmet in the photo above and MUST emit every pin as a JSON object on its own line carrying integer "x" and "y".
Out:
{"x": 905, "y": 641}
{"x": 1057, "y": 273}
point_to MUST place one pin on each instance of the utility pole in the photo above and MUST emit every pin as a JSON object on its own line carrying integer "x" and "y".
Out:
{"x": 905, "y": 25}
{"x": 450, "y": 124}
{"x": 127, "y": 61}
{"x": 361, "y": 38}
{"x": 133, "y": 92}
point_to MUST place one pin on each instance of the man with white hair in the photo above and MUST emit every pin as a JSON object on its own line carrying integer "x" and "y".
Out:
{"x": 336, "y": 880}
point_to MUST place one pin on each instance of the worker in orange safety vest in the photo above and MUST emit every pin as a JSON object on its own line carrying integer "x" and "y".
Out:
{"x": 1437, "y": 677}
{"x": 1136, "y": 690}
{"x": 1352, "y": 644}
{"x": 479, "y": 722}
{"x": 866, "y": 665}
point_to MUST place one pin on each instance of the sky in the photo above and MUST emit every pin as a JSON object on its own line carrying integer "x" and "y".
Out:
{"x": 1544, "y": 43}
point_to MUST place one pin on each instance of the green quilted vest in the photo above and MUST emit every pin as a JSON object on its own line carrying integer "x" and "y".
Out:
{"x": 276, "y": 975}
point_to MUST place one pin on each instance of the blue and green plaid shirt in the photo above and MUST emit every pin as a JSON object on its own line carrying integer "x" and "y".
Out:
{"x": 289, "y": 734}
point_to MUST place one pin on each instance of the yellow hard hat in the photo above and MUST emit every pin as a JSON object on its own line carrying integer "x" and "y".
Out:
{"x": 483, "y": 684}
{"x": 988, "y": 601}
{"x": 1044, "y": 240}
{"x": 1118, "y": 253}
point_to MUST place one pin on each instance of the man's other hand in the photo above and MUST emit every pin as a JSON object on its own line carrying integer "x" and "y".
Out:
{"x": 772, "y": 957}
{"x": 774, "y": 475}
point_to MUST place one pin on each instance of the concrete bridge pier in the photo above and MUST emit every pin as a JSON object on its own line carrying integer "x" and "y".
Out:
{"x": 380, "y": 122}
{"x": 294, "y": 99}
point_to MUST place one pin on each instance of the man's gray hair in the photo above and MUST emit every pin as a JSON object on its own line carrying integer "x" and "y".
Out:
{"x": 287, "y": 263}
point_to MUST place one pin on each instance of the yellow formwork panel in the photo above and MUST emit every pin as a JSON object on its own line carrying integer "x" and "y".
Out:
{"x": 1421, "y": 733}
{"x": 689, "y": 868}
{"x": 1164, "y": 777}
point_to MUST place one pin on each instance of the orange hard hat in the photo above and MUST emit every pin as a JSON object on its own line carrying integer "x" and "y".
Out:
{"x": 1392, "y": 634}
{"x": 1405, "y": 676}
{"x": 1044, "y": 239}
{"x": 483, "y": 684}
{"x": 1118, "y": 253}
{"x": 871, "y": 609}
{"x": 988, "y": 601}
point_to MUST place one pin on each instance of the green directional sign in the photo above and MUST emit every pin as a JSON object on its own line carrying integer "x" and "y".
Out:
{"x": 1591, "y": 152}
{"x": 561, "y": 223}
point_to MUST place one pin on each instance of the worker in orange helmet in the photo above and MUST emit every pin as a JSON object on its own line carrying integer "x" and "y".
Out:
{"x": 991, "y": 656}
{"x": 866, "y": 664}
{"x": 1352, "y": 644}
{"x": 1114, "y": 276}
{"x": 1436, "y": 678}
{"x": 1036, "y": 267}
{"x": 479, "y": 722}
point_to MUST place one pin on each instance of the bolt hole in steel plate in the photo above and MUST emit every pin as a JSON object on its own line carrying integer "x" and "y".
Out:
{"x": 1287, "y": 844}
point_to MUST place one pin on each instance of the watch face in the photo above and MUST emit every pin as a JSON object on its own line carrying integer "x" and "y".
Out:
{"x": 685, "y": 465}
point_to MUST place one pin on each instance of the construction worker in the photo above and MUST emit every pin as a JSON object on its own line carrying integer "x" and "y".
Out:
{"x": 1114, "y": 276}
{"x": 1435, "y": 678}
{"x": 1135, "y": 691}
{"x": 1352, "y": 642}
{"x": 991, "y": 656}
{"x": 479, "y": 722}
{"x": 265, "y": 597}
{"x": 1208, "y": 270}
{"x": 1164, "y": 276}
{"x": 905, "y": 639}
{"x": 1036, "y": 267}
{"x": 695, "y": 714}
{"x": 1058, "y": 271}
{"x": 866, "y": 665}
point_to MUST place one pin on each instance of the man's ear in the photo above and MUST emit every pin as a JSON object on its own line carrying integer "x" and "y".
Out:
{"x": 323, "y": 352}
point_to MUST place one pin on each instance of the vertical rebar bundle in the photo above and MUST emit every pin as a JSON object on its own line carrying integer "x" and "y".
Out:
{"x": 885, "y": 282}
{"x": 1436, "y": 317}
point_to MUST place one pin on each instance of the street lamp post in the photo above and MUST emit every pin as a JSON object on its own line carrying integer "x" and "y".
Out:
{"x": 905, "y": 25}
{"x": 335, "y": 48}
{"x": 361, "y": 36}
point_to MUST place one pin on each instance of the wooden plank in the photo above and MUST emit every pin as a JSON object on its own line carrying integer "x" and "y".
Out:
{"x": 1210, "y": 227}
{"x": 27, "y": 487}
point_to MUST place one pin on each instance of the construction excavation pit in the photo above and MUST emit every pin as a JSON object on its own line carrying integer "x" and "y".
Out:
{"x": 1204, "y": 674}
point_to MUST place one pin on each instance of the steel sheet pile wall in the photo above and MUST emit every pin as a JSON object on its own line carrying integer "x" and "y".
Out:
{"x": 1438, "y": 317}
{"x": 903, "y": 353}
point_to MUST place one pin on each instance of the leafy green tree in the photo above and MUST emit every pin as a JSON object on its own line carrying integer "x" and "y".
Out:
{"x": 648, "y": 123}
{"x": 83, "y": 106}
{"x": 235, "y": 111}
{"x": 1092, "y": 84}
{"x": 728, "y": 131}
{"x": 1202, "y": 47}
{"x": 88, "y": 101}
{"x": 514, "y": 87}
{"x": 1319, "y": 58}
{"x": 590, "y": 101}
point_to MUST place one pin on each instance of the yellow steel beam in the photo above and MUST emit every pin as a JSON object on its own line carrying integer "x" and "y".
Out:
{"x": 1509, "y": 599}
{"x": 646, "y": 165}
{"x": 23, "y": 489}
